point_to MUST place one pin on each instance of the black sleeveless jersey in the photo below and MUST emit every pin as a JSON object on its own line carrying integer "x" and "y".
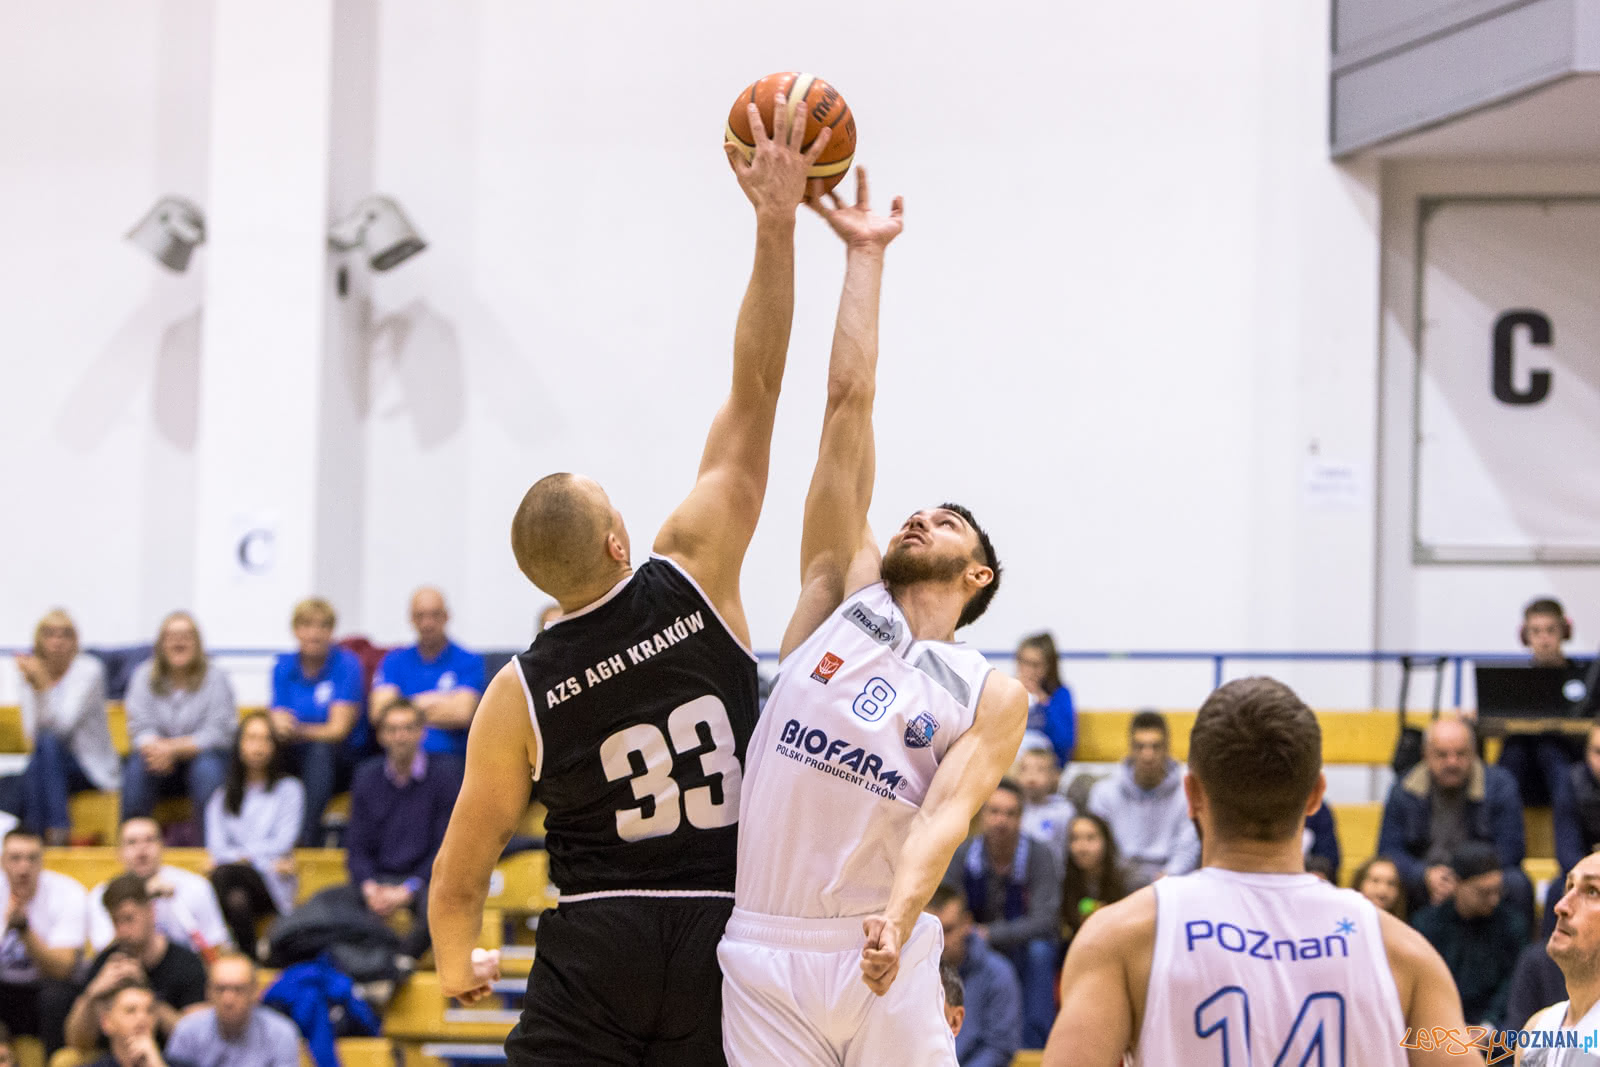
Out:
{"x": 642, "y": 705}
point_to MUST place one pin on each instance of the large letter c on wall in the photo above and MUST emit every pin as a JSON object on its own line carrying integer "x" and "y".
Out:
{"x": 1539, "y": 333}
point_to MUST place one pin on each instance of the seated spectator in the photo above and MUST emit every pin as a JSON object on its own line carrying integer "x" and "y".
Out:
{"x": 1576, "y": 819}
{"x": 1450, "y": 798}
{"x": 1539, "y": 762}
{"x": 128, "y": 1012}
{"x": 1144, "y": 804}
{"x": 64, "y": 719}
{"x": 1536, "y": 982}
{"x": 1095, "y": 875}
{"x": 1013, "y": 887}
{"x": 440, "y": 677}
{"x": 41, "y": 942}
{"x": 1321, "y": 838}
{"x": 954, "y": 998}
{"x": 251, "y": 824}
{"x": 1478, "y": 934}
{"x": 986, "y": 1017}
{"x": 233, "y": 1030}
{"x": 1046, "y": 814}
{"x": 1051, "y": 717}
{"x": 186, "y": 906}
{"x": 400, "y": 805}
{"x": 316, "y": 703}
{"x": 181, "y": 718}
{"x": 1378, "y": 880}
{"x": 141, "y": 953}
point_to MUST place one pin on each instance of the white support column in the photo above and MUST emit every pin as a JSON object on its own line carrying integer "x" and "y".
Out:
{"x": 262, "y": 376}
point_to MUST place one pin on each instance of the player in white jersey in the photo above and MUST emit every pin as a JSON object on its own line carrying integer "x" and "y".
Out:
{"x": 1250, "y": 960}
{"x": 881, "y": 739}
{"x": 1570, "y": 1031}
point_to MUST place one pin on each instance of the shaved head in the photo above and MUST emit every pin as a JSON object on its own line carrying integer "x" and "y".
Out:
{"x": 560, "y": 533}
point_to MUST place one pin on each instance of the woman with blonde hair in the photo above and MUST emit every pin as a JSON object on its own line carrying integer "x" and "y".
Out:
{"x": 64, "y": 719}
{"x": 181, "y": 721}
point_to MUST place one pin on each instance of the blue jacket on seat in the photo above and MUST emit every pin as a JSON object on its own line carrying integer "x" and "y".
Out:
{"x": 307, "y": 993}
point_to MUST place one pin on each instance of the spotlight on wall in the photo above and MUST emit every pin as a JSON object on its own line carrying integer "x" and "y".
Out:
{"x": 170, "y": 230}
{"x": 382, "y": 229}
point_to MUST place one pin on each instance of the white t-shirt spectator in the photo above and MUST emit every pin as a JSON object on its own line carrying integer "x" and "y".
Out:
{"x": 57, "y": 914}
{"x": 191, "y": 916}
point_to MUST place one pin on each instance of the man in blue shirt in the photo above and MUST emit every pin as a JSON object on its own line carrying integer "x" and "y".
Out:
{"x": 440, "y": 677}
{"x": 316, "y": 705}
{"x": 990, "y": 1031}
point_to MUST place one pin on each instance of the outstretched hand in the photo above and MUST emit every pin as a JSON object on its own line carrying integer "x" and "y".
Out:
{"x": 856, "y": 223}
{"x": 774, "y": 176}
{"x": 880, "y": 956}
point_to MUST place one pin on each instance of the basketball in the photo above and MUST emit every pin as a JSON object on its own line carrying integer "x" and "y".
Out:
{"x": 823, "y": 107}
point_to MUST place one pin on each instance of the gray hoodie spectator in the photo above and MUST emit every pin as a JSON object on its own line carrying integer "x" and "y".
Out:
{"x": 1144, "y": 804}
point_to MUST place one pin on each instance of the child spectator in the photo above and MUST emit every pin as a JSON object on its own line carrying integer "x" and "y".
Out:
{"x": 251, "y": 825}
{"x": 1046, "y": 814}
{"x": 1095, "y": 875}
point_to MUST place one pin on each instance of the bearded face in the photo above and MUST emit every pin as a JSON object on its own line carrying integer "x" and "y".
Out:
{"x": 906, "y": 564}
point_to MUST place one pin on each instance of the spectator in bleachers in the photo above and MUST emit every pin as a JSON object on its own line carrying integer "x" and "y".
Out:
{"x": 64, "y": 719}
{"x": 1576, "y": 819}
{"x": 1046, "y": 814}
{"x": 1013, "y": 886}
{"x": 128, "y": 1015}
{"x": 1378, "y": 880}
{"x": 186, "y": 906}
{"x": 1479, "y": 934}
{"x": 141, "y": 951}
{"x": 251, "y": 825}
{"x": 41, "y": 942}
{"x": 1539, "y": 762}
{"x": 316, "y": 703}
{"x": 1095, "y": 875}
{"x": 1536, "y": 982}
{"x": 1450, "y": 798}
{"x": 1321, "y": 838}
{"x": 440, "y": 677}
{"x": 1144, "y": 804}
{"x": 988, "y": 1018}
{"x": 955, "y": 996}
{"x": 181, "y": 718}
{"x": 233, "y": 1030}
{"x": 1051, "y": 717}
{"x": 400, "y": 805}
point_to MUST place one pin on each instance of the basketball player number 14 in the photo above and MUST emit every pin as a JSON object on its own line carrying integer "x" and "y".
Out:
{"x": 654, "y": 786}
{"x": 1317, "y": 1036}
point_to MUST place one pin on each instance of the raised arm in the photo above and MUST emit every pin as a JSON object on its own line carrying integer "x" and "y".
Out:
{"x": 710, "y": 531}
{"x": 494, "y": 795}
{"x": 837, "y": 550}
{"x": 965, "y": 779}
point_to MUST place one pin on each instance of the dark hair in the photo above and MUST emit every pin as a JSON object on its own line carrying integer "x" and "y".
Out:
{"x": 985, "y": 554}
{"x": 955, "y": 994}
{"x": 233, "y": 787}
{"x": 403, "y": 704}
{"x": 1398, "y": 908}
{"x": 1010, "y": 785}
{"x": 1322, "y": 865}
{"x": 5, "y": 1036}
{"x": 1148, "y": 719}
{"x": 19, "y": 831}
{"x": 1045, "y": 645}
{"x": 124, "y": 889}
{"x": 942, "y": 895}
{"x": 103, "y": 1001}
{"x": 1109, "y": 885}
{"x": 1256, "y": 750}
{"x": 1545, "y": 605}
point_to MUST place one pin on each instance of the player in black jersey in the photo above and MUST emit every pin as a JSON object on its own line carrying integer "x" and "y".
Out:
{"x": 631, "y": 711}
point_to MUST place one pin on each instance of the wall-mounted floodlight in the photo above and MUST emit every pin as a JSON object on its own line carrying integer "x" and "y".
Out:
{"x": 170, "y": 232}
{"x": 378, "y": 226}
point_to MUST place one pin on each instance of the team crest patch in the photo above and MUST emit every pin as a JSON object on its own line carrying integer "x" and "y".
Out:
{"x": 920, "y": 731}
{"x": 827, "y": 666}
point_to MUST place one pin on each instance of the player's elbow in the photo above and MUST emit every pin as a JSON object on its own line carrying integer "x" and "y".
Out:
{"x": 851, "y": 389}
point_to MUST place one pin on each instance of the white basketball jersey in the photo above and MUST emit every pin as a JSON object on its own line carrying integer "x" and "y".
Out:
{"x": 855, "y": 727}
{"x": 1264, "y": 969}
{"x": 1561, "y": 1045}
